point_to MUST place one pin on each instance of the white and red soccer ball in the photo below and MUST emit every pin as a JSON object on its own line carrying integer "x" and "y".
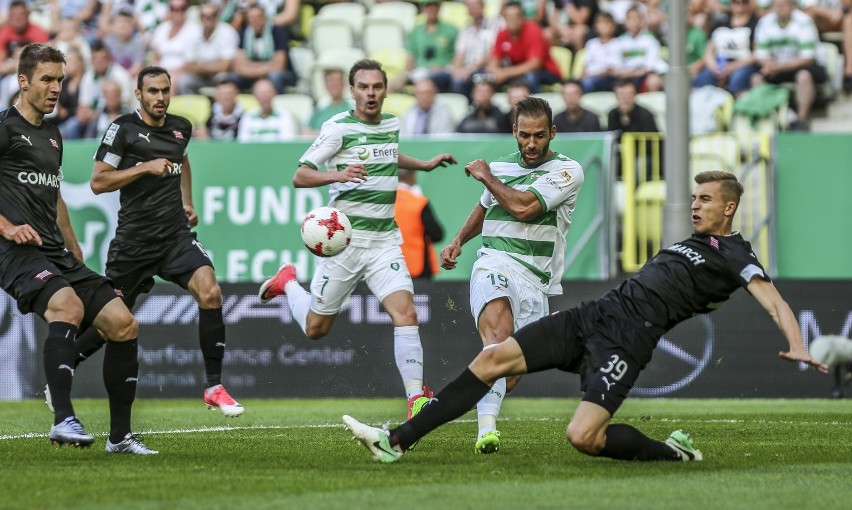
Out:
{"x": 326, "y": 231}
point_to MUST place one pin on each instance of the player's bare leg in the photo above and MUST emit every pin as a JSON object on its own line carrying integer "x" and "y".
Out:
{"x": 496, "y": 323}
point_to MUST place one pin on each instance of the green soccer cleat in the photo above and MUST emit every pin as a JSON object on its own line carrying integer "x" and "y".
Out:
{"x": 488, "y": 443}
{"x": 681, "y": 443}
{"x": 373, "y": 438}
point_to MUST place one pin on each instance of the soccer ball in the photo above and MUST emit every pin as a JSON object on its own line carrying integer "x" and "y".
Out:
{"x": 326, "y": 231}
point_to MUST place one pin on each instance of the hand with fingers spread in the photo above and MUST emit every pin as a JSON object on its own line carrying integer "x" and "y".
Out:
{"x": 441, "y": 160}
{"x": 21, "y": 234}
{"x": 804, "y": 357}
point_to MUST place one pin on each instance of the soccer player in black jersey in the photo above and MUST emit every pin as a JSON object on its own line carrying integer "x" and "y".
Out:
{"x": 40, "y": 259}
{"x": 144, "y": 154}
{"x": 609, "y": 341}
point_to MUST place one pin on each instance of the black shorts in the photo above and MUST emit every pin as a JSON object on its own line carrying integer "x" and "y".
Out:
{"x": 132, "y": 267}
{"x": 817, "y": 71}
{"x": 32, "y": 277}
{"x": 606, "y": 352}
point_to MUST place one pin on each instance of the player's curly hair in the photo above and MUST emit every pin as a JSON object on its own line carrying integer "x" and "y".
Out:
{"x": 532, "y": 106}
{"x": 34, "y": 54}
{"x": 732, "y": 189}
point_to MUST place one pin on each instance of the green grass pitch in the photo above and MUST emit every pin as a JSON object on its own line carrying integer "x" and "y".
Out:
{"x": 295, "y": 454}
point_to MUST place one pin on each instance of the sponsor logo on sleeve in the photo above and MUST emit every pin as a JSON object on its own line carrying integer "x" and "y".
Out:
{"x": 109, "y": 136}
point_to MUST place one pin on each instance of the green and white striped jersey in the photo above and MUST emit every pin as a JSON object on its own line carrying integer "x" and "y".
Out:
{"x": 536, "y": 247}
{"x": 345, "y": 140}
{"x": 797, "y": 39}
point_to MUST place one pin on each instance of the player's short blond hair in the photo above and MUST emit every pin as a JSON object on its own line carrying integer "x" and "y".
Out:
{"x": 732, "y": 189}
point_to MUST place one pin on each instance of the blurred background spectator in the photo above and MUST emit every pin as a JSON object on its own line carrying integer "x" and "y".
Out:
{"x": 266, "y": 123}
{"x": 224, "y": 121}
{"x": 728, "y": 58}
{"x": 263, "y": 53}
{"x": 210, "y": 55}
{"x": 428, "y": 116}
{"x": 639, "y": 53}
{"x": 473, "y": 46}
{"x": 571, "y": 22}
{"x": 109, "y": 109}
{"x": 102, "y": 69}
{"x": 601, "y": 56}
{"x": 430, "y": 47}
{"x": 335, "y": 85}
{"x": 575, "y": 119}
{"x": 69, "y": 98}
{"x": 126, "y": 45}
{"x": 172, "y": 41}
{"x": 484, "y": 116}
{"x": 18, "y": 32}
{"x": 522, "y": 51}
{"x": 629, "y": 117}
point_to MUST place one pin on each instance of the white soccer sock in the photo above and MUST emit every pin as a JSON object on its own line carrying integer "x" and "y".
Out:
{"x": 488, "y": 408}
{"x": 299, "y": 301}
{"x": 408, "y": 352}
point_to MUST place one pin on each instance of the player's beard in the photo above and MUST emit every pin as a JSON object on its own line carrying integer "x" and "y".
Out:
{"x": 154, "y": 114}
{"x": 542, "y": 154}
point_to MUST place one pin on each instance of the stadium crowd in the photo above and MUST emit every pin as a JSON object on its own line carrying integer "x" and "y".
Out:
{"x": 270, "y": 69}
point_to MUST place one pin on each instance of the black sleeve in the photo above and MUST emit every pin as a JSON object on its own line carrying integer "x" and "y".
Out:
{"x": 433, "y": 229}
{"x": 4, "y": 139}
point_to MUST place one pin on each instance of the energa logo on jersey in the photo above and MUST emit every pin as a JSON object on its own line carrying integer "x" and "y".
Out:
{"x": 94, "y": 219}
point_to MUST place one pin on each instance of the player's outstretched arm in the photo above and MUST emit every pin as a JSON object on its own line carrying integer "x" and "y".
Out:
{"x": 63, "y": 221}
{"x": 441, "y": 160}
{"x": 770, "y": 299}
{"x": 105, "y": 178}
{"x": 472, "y": 227}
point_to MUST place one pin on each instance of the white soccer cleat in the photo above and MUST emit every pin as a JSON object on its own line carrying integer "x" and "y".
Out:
{"x": 374, "y": 439}
{"x": 681, "y": 443}
{"x": 130, "y": 444}
{"x": 70, "y": 431}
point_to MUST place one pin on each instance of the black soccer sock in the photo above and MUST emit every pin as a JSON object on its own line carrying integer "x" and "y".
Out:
{"x": 454, "y": 400}
{"x": 211, "y": 335}
{"x": 121, "y": 371}
{"x": 59, "y": 367}
{"x": 86, "y": 344}
{"x": 624, "y": 442}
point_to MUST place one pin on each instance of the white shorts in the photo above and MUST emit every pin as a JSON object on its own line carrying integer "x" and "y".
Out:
{"x": 491, "y": 278}
{"x": 383, "y": 269}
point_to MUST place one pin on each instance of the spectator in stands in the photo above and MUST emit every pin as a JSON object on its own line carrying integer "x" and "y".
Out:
{"x": 69, "y": 98}
{"x": 9, "y": 86}
{"x": 639, "y": 54}
{"x": 267, "y": 123}
{"x": 263, "y": 53}
{"x": 335, "y": 85}
{"x": 83, "y": 12}
{"x": 571, "y": 22}
{"x": 428, "y": 116}
{"x": 522, "y": 51}
{"x": 224, "y": 120}
{"x": 211, "y": 55}
{"x": 473, "y": 47}
{"x": 172, "y": 41}
{"x": 126, "y": 45}
{"x": 484, "y": 117}
{"x": 785, "y": 48}
{"x": 515, "y": 91}
{"x": 728, "y": 59}
{"x": 430, "y": 46}
{"x": 148, "y": 14}
{"x": 418, "y": 226}
{"x": 834, "y": 16}
{"x": 18, "y": 32}
{"x": 575, "y": 119}
{"x": 102, "y": 69}
{"x": 601, "y": 56}
{"x": 67, "y": 35}
{"x": 629, "y": 117}
{"x": 111, "y": 107}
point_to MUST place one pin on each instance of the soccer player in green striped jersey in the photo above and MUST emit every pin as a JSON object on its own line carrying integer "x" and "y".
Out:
{"x": 359, "y": 149}
{"x": 523, "y": 216}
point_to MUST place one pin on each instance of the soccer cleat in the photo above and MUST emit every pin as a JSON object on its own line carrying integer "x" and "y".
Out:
{"x": 70, "y": 431}
{"x": 274, "y": 286}
{"x": 488, "y": 443}
{"x": 130, "y": 444}
{"x": 373, "y": 438}
{"x": 218, "y": 397}
{"x": 416, "y": 402}
{"x": 48, "y": 400}
{"x": 681, "y": 443}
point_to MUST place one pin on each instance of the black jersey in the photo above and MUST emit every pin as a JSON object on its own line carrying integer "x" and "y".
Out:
{"x": 151, "y": 206}
{"x": 694, "y": 276}
{"x": 31, "y": 171}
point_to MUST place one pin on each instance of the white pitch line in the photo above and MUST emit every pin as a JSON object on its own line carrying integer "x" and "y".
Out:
{"x": 37, "y": 435}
